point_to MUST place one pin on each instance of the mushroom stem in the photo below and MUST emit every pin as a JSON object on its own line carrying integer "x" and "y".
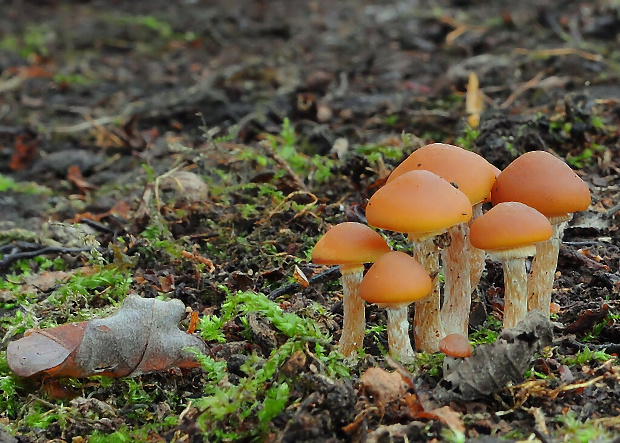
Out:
{"x": 398, "y": 334}
{"x": 427, "y": 322}
{"x": 354, "y": 320}
{"x": 515, "y": 291}
{"x": 457, "y": 284}
{"x": 540, "y": 282}
{"x": 476, "y": 256}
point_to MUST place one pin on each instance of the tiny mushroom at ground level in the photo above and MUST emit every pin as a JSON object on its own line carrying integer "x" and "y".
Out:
{"x": 423, "y": 205}
{"x": 393, "y": 282}
{"x": 509, "y": 232}
{"x": 456, "y": 347}
{"x": 471, "y": 174}
{"x": 550, "y": 186}
{"x": 350, "y": 245}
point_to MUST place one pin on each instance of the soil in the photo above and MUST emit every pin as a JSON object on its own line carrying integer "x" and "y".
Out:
{"x": 292, "y": 114}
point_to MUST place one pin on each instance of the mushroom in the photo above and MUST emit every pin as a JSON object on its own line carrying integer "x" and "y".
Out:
{"x": 393, "y": 282}
{"x": 471, "y": 174}
{"x": 456, "y": 347}
{"x": 476, "y": 256}
{"x": 423, "y": 205}
{"x": 350, "y": 245}
{"x": 549, "y": 185}
{"x": 509, "y": 232}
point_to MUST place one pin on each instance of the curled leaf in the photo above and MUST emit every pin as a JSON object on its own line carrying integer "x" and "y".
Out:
{"x": 141, "y": 337}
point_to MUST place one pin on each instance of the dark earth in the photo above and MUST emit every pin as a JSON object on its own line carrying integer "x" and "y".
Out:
{"x": 193, "y": 149}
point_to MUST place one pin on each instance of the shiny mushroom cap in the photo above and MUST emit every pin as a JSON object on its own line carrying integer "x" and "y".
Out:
{"x": 455, "y": 345}
{"x": 349, "y": 244}
{"x": 543, "y": 182}
{"x": 419, "y": 203}
{"x": 395, "y": 279}
{"x": 509, "y": 228}
{"x": 466, "y": 170}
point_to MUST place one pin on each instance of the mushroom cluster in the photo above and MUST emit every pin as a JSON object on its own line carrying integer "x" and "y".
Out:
{"x": 436, "y": 197}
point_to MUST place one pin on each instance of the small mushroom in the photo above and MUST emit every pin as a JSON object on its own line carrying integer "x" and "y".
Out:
{"x": 549, "y": 185}
{"x": 471, "y": 174}
{"x": 509, "y": 232}
{"x": 423, "y": 205}
{"x": 393, "y": 282}
{"x": 350, "y": 245}
{"x": 456, "y": 347}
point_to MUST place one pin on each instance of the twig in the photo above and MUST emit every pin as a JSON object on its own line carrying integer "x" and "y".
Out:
{"x": 332, "y": 272}
{"x": 521, "y": 89}
{"x": 9, "y": 259}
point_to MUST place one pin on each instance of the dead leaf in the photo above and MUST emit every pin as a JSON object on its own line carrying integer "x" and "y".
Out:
{"x": 24, "y": 153}
{"x": 382, "y": 385}
{"x": 491, "y": 367}
{"x": 74, "y": 175}
{"x": 141, "y": 337}
{"x": 587, "y": 319}
{"x": 446, "y": 415}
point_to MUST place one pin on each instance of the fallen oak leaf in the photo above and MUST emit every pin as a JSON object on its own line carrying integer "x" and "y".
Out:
{"x": 141, "y": 337}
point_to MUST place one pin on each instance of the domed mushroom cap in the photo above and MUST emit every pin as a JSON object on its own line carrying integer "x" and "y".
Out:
{"x": 470, "y": 172}
{"x": 543, "y": 182}
{"x": 509, "y": 225}
{"x": 418, "y": 202}
{"x": 349, "y": 243}
{"x": 395, "y": 278}
{"x": 455, "y": 345}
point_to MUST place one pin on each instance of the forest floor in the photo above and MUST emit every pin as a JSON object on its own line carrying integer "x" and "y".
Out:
{"x": 197, "y": 150}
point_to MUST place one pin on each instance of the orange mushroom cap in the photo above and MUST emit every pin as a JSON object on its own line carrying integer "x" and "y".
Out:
{"x": 470, "y": 172}
{"x": 418, "y": 202}
{"x": 509, "y": 225}
{"x": 395, "y": 278}
{"x": 349, "y": 243}
{"x": 543, "y": 182}
{"x": 455, "y": 345}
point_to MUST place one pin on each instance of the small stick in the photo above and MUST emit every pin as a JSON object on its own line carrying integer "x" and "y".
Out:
{"x": 333, "y": 272}
{"x": 9, "y": 259}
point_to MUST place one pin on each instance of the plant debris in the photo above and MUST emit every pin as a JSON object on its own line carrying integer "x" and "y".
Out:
{"x": 492, "y": 366}
{"x": 141, "y": 337}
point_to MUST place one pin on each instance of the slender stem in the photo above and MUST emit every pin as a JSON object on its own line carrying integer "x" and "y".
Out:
{"x": 427, "y": 322}
{"x": 540, "y": 283}
{"x": 398, "y": 334}
{"x": 354, "y": 321}
{"x": 515, "y": 292}
{"x": 457, "y": 284}
{"x": 476, "y": 256}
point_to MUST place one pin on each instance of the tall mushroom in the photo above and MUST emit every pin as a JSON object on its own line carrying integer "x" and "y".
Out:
{"x": 509, "y": 232}
{"x": 423, "y": 205}
{"x": 549, "y": 185}
{"x": 471, "y": 174}
{"x": 350, "y": 245}
{"x": 393, "y": 282}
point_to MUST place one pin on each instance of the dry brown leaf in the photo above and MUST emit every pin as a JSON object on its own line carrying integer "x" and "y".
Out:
{"x": 74, "y": 175}
{"x": 141, "y": 337}
{"x": 446, "y": 415}
{"x": 24, "y": 153}
{"x": 382, "y": 385}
